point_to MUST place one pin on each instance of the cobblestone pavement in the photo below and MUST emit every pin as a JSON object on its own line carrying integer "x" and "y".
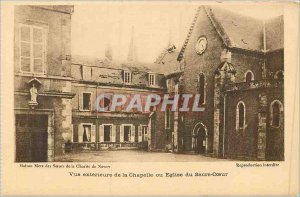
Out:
{"x": 132, "y": 156}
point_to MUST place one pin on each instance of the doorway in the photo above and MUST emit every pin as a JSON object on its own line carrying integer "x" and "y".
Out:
{"x": 200, "y": 139}
{"x": 31, "y": 138}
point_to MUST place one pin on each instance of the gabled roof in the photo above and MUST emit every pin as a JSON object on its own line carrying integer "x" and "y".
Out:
{"x": 241, "y": 32}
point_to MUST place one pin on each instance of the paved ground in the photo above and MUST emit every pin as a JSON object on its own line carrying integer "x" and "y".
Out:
{"x": 132, "y": 156}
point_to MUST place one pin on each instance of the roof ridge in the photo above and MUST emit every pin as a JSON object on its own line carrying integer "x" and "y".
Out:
{"x": 218, "y": 27}
{"x": 180, "y": 55}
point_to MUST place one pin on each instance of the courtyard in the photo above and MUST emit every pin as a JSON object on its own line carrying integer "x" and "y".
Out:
{"x": 132, "y": 156}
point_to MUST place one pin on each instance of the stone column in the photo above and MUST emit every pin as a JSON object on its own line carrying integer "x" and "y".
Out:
{"x": 218, "y": 112}
{"x": 225, "y": 73}
{"x": 262, "y": 127}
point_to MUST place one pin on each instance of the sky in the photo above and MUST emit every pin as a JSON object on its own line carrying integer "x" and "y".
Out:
{"x": 97, "y": 27}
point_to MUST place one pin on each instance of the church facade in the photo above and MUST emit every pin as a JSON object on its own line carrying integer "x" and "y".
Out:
{"x": 237, "y": 64}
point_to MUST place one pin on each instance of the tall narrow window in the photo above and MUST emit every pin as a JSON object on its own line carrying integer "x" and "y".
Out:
{"x": 170, "y": 85}
{"x": 86, "y": 133}
{"x": 107, "y": 133}
{"x": 249, "y": 76}
{"x": 127, "y": 77}
{"x": 86, "y": 73}
{"x": 201, "y": 85}
{"x": 86, "y": 101}
{"x": 240, "y": 115}
{"x": 167, "y": 119}
{"x": 32, "y": 49}
{"x": 276, "y": 108}
{"x": 151, "y": 79}
{"x": 145, "y": 132}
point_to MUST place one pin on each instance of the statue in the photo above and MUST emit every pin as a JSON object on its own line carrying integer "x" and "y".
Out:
{"x": 33, "y": 93}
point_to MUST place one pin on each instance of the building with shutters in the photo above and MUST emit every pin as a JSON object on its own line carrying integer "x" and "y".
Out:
{"x": 42, "y": 81}
{"x": 119, "y": 129}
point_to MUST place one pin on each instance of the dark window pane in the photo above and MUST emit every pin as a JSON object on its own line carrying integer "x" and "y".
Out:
{"x": 276, "y": 114}
{"x": 25, "y": 64}
{"x": 25, "y": 34}
{"x": 86, "y": 101}
{"x": 248, "y": 77}
{"x": 106, "y": 102}
{"x": 201, "y": 88}
{"x": 241, "y": 115}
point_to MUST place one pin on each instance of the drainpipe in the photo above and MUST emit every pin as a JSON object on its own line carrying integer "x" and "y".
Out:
{"x": 97, "y": 122}
{"x": 224, "y": 125}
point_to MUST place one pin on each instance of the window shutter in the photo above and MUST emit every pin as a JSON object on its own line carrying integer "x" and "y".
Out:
{"x": 132, "y": 133}
{"x": 146, "y": 133}
{"x": 140, "y": 136}
{"x": 101, "y": 133}
{"x": 80, "y": 132}
{"x": 93, "y": 133}
{"x": 72, "y": 133}
{"x": 113, "y": 133}
{"x": 121, "y": 133}
{"x": 149, "y": 129}
{"x": 80, "y": 100}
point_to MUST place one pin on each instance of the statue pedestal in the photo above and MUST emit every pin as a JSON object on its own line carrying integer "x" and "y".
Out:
{"x": 32, "y": 104}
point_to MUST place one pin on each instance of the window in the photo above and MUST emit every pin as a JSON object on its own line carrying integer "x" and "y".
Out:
{"x": 151, "y": 79}
{"x": 86, "y": 101}
{"x": 201, "y": 86}
{"x": 240, "y": 115}
{"x": 249, "y": 76}
{"x": 106, "y": 102}
{"x": 86, "y": 133}
{"x": 107, "y": 133}
{"x": 127, "y": 133}
{"x": 167, "y": 118}
{"x": 170, "y": 85}
{"x": 127, "y": 77}
{"x": 145, "y": 133}
{"x": 276, "y": 108}
{"x": 32, "y": 49}
{"x": 86, "y": 73}
{"x": 278, "y": 75}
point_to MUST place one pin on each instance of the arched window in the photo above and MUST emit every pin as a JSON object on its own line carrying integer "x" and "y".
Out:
{"x": 240, "y": 115}
{"x": 278, "y": 75}
{"x": 275, "y": 110}
{"x": 249, "y": 76}
{"x": 201, "y": 85}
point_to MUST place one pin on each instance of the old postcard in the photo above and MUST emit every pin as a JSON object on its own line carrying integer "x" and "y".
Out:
{"x": 149, "y": 98}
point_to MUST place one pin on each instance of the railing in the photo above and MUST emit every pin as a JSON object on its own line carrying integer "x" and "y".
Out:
{"x": 265, "y": 83}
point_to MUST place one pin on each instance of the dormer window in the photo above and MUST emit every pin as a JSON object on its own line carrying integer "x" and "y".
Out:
{"x": 151, "y": 79}
{"x": 127, "y": 77}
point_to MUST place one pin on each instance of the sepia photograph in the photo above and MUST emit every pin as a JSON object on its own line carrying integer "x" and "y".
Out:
{"x": 136, "y": 83}
{"x": 149, "y": 98}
